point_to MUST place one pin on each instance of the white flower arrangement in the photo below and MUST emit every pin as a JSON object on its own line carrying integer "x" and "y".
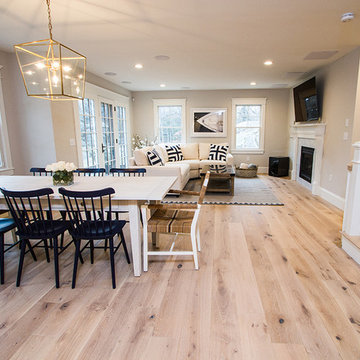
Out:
{"x": 62, "y": 172}
{"x": 61, "y": 166}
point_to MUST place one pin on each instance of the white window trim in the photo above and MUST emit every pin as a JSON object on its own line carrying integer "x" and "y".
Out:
{"x": 249, "y": 101}
{"x": 99, "y": 94}
{"x": 8, "y": 168}
{"x": 169, "y": 102}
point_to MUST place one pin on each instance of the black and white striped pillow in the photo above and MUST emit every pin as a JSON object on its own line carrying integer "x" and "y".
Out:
{"x": 174, "y": 152}
{"x": 218, "y": 152}
{"x": 154, "y": 158}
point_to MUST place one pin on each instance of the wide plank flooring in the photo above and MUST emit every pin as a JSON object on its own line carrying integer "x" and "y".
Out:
{"x": 272, "y": 284}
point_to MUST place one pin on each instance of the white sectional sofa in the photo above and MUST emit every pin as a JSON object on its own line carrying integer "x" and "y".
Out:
{"x": 195, "y": 157}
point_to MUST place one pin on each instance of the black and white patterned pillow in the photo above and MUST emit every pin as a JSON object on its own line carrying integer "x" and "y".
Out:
{"x": 154, "y": 158}
{"x": 218, "y": 152}
{"x": 174, "y": 152}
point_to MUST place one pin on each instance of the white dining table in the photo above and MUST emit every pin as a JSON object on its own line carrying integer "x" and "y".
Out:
{"x": 130, "y": 193}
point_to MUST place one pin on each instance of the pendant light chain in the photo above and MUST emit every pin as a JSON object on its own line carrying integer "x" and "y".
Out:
{"x": 49, "y": 17}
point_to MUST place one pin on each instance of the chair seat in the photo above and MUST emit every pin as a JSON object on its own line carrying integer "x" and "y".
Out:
{"x": 171, "y": 221}
{"x": 6, "y": 225}
{"x": 95, "y": 230}
{"x": 45, "y": 229}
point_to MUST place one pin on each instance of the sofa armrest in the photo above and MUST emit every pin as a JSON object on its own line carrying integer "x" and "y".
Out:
{"x": 229, "y": 159}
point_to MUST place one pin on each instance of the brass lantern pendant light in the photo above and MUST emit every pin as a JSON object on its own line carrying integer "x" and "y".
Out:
{"x": 51, "y": 70}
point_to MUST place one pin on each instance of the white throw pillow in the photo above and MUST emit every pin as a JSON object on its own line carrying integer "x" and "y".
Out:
{"x": 162, "y": 152}
{"x": 140, "y": 156}
{"x": 190, "y": 151}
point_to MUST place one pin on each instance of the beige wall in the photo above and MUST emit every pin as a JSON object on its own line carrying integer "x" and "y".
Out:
{"x": 276, "y": 132}
{"x": 64, "y": 120}
{"x": 28, "y": 120}
{"x": 337, "y": 85}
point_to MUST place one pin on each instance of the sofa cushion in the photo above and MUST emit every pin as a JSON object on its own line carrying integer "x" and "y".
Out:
{"x": 204, "y": 149}
{"x": 174, "y": 153}
{"x": 190, "y": 151}
{"x": 194, "y": 164}
{"x": 140, "y": 156}
{"x": 218, "y": 152}
{"x": 154, "y": 158}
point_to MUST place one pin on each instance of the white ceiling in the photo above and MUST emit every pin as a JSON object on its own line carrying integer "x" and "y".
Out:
{"x": 212, "y": 44}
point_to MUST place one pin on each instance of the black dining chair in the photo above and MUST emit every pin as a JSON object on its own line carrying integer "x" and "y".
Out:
{"x": 87, "y": 211}
{"x": 90, "y": 172}
{"x": 31, "y": 211}
{"x": 37, "y": 171}
{"x": 5, "y": 226}
{"x": 127, "y": 171}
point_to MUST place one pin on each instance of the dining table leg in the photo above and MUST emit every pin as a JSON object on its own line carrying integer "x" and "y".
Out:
{"x": 135, "y": 234}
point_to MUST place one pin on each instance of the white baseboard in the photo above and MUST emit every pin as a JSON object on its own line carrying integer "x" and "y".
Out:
{"x": 332, "y": 198}
{"x": 263, "y": 170}
{"x": 350, "y": 249}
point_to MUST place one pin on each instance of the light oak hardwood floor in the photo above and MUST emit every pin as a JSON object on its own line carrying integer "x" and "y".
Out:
{"x": 272, "y": 284}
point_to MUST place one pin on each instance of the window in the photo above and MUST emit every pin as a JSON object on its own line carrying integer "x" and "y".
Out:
{"x": 169, "y": 116}
{"x": 89, "y": 147}
{"x": 108, "y": 139}
{"x": 248, "y": 125}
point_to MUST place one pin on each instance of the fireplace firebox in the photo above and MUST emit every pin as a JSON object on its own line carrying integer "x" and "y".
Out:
{"x": 306, "y": 163}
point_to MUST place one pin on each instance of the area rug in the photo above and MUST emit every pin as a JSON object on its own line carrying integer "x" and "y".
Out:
{"x": 251, "y": 191}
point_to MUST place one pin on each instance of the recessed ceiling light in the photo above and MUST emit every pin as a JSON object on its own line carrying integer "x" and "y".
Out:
{"x": 162, "y": 57}
{"x": 347, "y": 17}
{"x": 253, "y": 83}
{"x": 139, "y": 66}
{"x": 162, "y": 85}
{"x": 268, "y": 62}
{"x": 110, "y": 73}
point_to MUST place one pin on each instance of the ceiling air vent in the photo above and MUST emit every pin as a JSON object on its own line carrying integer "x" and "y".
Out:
{"x": 320, "y": 55}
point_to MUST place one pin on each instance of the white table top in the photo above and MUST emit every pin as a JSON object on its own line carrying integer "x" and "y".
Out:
{"x": 126, "y": 188}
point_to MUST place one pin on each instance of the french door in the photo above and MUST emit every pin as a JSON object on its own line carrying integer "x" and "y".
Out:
{"x": 104, "y": 133}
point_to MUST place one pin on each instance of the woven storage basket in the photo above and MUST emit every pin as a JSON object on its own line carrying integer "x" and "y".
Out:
{"x": 246, "y": 173}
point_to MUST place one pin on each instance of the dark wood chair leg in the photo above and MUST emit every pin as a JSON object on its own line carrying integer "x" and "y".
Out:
{"x": 2, "y": 265}
{"x": 125, "y": 247}
{"x": 76, "y": 259}
{"x": 46, "y": 250}
{"x": 56, "y": 262}
{"x": 91, "y": 251}
{"x": 106, "y": 244}
{"x": 112, "y": 262}
{"x": 21, "y": 261}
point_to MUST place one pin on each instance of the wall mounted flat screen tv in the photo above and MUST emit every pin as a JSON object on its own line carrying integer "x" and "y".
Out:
{"x": 306, "y": 102}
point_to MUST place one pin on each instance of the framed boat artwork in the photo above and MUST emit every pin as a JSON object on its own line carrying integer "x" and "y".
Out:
{"x": 208, "y": 122}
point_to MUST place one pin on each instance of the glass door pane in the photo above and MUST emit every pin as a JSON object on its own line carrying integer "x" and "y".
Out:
{"x": 123, "y": 143}
{"x": 108, "y": 145}
{"x": 89, "y": 146}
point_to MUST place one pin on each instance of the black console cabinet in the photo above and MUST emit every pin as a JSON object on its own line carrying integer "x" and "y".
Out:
{"x": 278, "y": 166}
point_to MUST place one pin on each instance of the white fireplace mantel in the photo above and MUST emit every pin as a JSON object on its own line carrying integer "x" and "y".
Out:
{"x": 310, "y": 135}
